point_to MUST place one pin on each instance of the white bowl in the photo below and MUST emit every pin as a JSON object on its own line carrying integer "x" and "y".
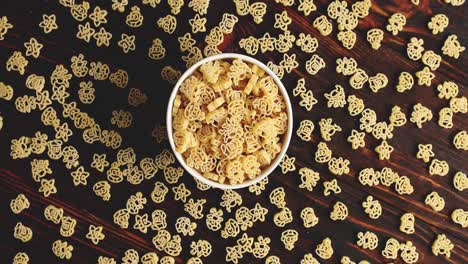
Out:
{"x": 286, "y": 137}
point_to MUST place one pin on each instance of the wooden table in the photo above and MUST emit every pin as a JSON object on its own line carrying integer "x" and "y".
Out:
{"x": 82, "y": 204}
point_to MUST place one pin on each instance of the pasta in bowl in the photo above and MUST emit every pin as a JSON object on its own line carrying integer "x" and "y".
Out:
{"x": 229, "y": 121}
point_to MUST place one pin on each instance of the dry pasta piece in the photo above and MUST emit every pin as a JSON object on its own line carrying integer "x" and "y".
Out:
{"x": 346, "y": 66}
{"x": 95, "y": 234}
{"x": 445, "y": 117}
{"x": 459, "y": 104}
{"x": 308, "y": 100}
{"x": 258, "y": 10}
{"x": 355, "y": 105}
{"x": 149, "y": 258}
{"x": 282, "y": 21}
{"x": 199, "y": 6}
{"x": 261, "y": 247}
{"x": 185, "y": 226}
{"x": 309, "y": 218}
{"x": 85, "y": 32}
{"x": 21, "y": 203}
{"x": 48, "y": 23}
{"x": 447, "y": 90}
{"x": 250, "y": 45}
{"x": 289, "y": 237}
{"x": 284, "y": 42}
{"x": 347, "y": 38}
{"x": 289, "y": 62}
{"x": 438, "y": 23}
{"x": 102, "y": 189}
{"x": 62, "y": 249}
{"x": 181, "y": 192}
{"x": 324, "y": 250}
{"x": 438, "y": 167}
{"x": 387, "y": 176}
{"x": 378, "y": 82}
{"x": 375, "y": 37}
{"x": 283, "y": 217}
{"x": 277, "y": 197}
{"x": 233, "y": 254}
{"x": 287, "y": 164}
{"x": 323, "y": 25}
{"x": 414, "y": 49}
{"x": 228, "y": 22}
{"x": 47, "y": 187}
{"x": 304, "y": 132}
{"x": 266, "y": 43}
{"x": 67, "y": 226}
{"x": 339, "y": 212}
{"x": 367, "y": 240}
{"x": 372, "y": 207}
{"x": 369, "y": 177}
{"x": 358, "y": 79}
{"x": 231, "y": 229}
{"x": 442, "y": 246}
{"x": 22, "y": 232}
{"x": 17, "y": 62}
{"x": 404, "y": 186}
{"x": 425, "y": 76}
{"x": 309, "y": 259}
{"x": 167, "y": 260}
{"x": 425, "y": 152}
{"x": 420, "y": 114}
{"x": 407, "y": 223}
{"x": 21, "y": 258}
{"x": 384, "y": 150}
{"x": 328, "y": 128}
{"x": 307, "y": 43}
{"x": 167, "y": 23}
{"x": 127, "y": 42}
{"x": 272, "y": 260}
{"x": 405, "y": 82}
{"x": 397, "y": 117}
{"x": 459, "y": 216}
{"x": 200, "y": 248}
{"x": 314, "y": 64}
{"x": 435, "y": 201}
{"x": 331, "y": 186}
{"x": 431, "y": 59}
{"x": 452, "y": 47}
{"x": 391, "y": 249}
{"x": 80, "y": 176}
{"x": 309, "y": 178}
{"x": 408, "y": 252}
{"x": 323, "y": 153}
{"x": 102, "y": 37}
{"x": 33, "y": 48}
{"x": 336, "y": 98}
{"x": 230, "y": 199}
{"x": 356, "y": 139}
{"x": 98, "y": 16}
{"x": 460, "y": 181}
{"x": 198, "y": 24}
{"x": 306, "y": 6}
{"x": 396, "y": 23}
{"x": 460, "y": 141}
{"x": 53, "y": 214}
{"x": 245, "y": 243}
{"x": 6, "y": 92}
{"x": 4, "y": 27}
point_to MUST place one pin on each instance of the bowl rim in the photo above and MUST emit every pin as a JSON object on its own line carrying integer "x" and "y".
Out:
{"x": 286, "y": 137}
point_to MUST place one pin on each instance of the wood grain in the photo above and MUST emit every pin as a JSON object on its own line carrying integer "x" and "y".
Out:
{"x": 390, "y": 59}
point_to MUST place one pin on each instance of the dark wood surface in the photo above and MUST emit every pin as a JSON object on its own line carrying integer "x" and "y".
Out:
{"x": 82, "y": 204}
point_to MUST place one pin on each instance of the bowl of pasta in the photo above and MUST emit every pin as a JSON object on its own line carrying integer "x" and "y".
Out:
{"x": 229, "y": 121}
